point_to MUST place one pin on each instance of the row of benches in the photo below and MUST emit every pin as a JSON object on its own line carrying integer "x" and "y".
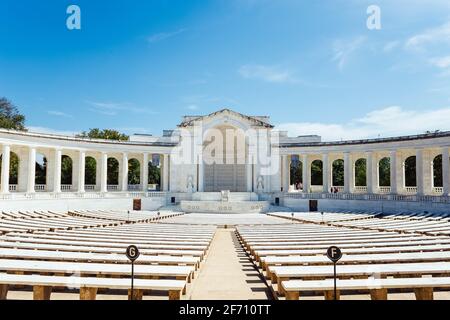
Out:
{"x": 292, "y": 257}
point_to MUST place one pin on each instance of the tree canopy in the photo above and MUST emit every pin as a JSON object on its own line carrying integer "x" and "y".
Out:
{"x": 10, "y": 118}
{"x": 108, "y": 134}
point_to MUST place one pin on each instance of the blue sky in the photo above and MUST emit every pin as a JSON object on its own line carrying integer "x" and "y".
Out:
{"x": 313, "y": 66}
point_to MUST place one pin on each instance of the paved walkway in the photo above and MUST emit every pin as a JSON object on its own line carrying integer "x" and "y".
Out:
{"x": 227, "y": 272}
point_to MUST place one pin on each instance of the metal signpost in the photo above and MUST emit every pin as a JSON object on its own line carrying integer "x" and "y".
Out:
{"x": 334, "y": 254}
{"x": 132, "y": 254}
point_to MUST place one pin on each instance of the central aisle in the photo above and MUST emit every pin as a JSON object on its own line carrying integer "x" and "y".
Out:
{"x": 227, "y": 273}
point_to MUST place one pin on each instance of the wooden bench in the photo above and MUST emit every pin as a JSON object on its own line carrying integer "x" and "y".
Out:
{"x": 42, "y": 285}
{"x": 277, "y": 274}
{"x": 95, "y": 257}
{"x": 378, "y": 288}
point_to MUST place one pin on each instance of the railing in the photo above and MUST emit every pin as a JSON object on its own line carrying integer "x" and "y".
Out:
{"x": 112, "y": 187}
{"x": 66, "y": 187}
{"x": 360, "y": 189}
{"x": 134, "y": 187}
{"x": 437, "y": 190}
{"x": 12, "y": 187}
{"x": 384, "y": 190}
{"x": 411, "y": 190}
{"x": 339, "y": 188}
{"x": 89, "y": 187}
{"x": 316, "y": 189}
{"x": 40, "y": 187}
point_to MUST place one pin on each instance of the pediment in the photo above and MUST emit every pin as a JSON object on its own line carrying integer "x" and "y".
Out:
{"x": 226, "y": 114}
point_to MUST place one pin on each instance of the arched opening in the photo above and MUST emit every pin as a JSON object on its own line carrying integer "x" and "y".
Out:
{"x": 437, "y": 172}
{"x": 134, "y": 173}
{"x": 154, "y": 173}
{"x": 66, "y": 173}
{"x": 316, "y": 173}
{"x": 13, "y": 170}
{"x": 338, "y": 173}
{"x": 90, "y": 173}
{"x": 410, "y": 172}
{"x": 113, "y": 174}
{"x": 41, "y": 172}
{"x": 384, "y": 173}
{"x": 361, "y": 173}
{"x": 296, "y": 176}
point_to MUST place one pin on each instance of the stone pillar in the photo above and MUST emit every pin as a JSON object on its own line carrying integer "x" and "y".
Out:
{"x": 165, "y": 172}
{"x": 104, "y": 172}
{"x": 348, "y": 170}
{"x": 370, "y": 173}
{"x": 306, "y": 174}
{"x": 81, "y": 170}
{"x": 393, "y": 170}
{"x": 420, "y": 166}
{"x": 201, "y": 173}
{"x": 31, "y": 170}
{"x": 286, "y": 172}
{"x": 144, "y": 179}
{"x": 249, "y": 172}
{"x": 57, "y": 174}
{"x": 124, "y": 172}
{"x": 6, "y": 155}
{"x": 326, "y": 173}
{"x": 445, "y": 171}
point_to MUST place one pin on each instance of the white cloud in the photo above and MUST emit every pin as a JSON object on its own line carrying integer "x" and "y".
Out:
{"x": 52, "y": 131}
{"x": 388, "y": 47}
{"x": 440, "y": 34}
{"x": 343, "y": 50}
{"x": 113, "y": 109}
{"x": 192, "y": 107}
{"x": 442, "y": 62}
{"x": 59, "y": 114}
{"x": 164, "y": 35}
{"x": 271, "y": 74}
{"x": 390, "y": 121}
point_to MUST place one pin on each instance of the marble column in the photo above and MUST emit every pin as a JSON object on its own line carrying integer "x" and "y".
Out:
{"x": 370, "y": 173}
{"x": 420, "y": 172}
{"x": 104, "y": 172}
{"x": 165, "y": 172}
{"x": 445, "y": 171}
{"x": 393, "y": 172}
{"x": 31, "y": 170}
{"x": 326, "y": 174}
{"x": 81, "y": 170}
{"x": 6, "y": 155}
{"x": 286, "y": 172}
{"x": 144, "y": 179}
{"x": 201, "y": 173}
{"x": 348, "y": 169}
{"x": 124, "y": 172}
{"x": 57, "y": 174}
{"x": 306, "y": 174}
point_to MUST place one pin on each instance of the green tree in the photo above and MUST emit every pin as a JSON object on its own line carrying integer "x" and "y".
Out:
{"x": 107, "y": 134}
{"x": 90, "y": 173}
{"x": 10, "y": 118}
{"x": 360, "y": 173}
{"x": 13, "y": 168}
{"x": 338, "y": 173}
{"x": 66, "y": 170}
{"x": 410, "y": 172}
{"x": 316, "y": 173}
{"x": 154, "y": 174}
{"x": 134, "y": 172}
{"x": 296, "y": 171}
{"x": 384, "y": 171}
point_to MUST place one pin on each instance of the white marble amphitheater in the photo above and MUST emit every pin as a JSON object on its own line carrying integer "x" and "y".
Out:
{"x": 240, "y": 211}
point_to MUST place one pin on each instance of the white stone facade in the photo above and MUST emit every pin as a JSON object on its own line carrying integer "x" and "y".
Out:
{"x": 258, "y": 161}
